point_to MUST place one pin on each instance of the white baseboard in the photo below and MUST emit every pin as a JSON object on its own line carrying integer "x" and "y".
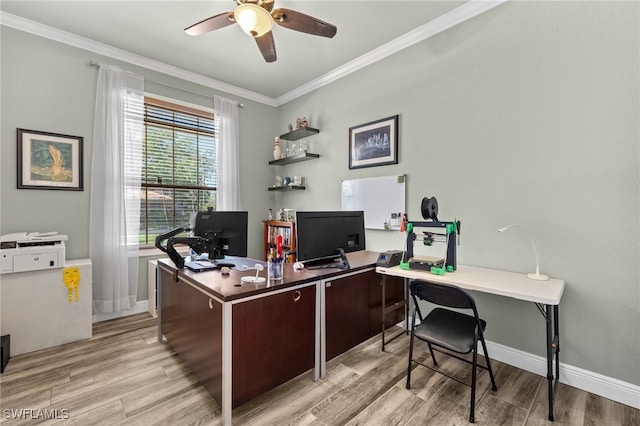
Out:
{"x": 140, "y": 307}
{"x": 607, "y": 387}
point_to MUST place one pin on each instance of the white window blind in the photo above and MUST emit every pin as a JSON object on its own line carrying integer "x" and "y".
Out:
{"x": 178, "y": 172}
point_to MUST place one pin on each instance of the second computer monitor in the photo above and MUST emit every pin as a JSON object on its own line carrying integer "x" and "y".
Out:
{"x": 321, "y": 233}
{"x": 228, "y": 229}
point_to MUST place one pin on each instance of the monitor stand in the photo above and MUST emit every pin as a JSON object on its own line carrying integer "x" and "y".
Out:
{"x": 320, "y": 261}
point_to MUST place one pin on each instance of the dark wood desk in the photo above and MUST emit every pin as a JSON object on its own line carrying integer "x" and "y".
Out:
{"x": 237, "y": 337}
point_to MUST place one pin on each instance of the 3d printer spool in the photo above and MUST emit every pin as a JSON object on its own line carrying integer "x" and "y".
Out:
{"x": 429, "y": 208}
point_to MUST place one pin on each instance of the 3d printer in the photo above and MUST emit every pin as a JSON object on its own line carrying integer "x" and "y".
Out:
{"x": 429, "y": 208}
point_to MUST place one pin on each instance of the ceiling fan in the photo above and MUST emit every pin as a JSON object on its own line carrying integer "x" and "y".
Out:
{"x": 256, "y": 18}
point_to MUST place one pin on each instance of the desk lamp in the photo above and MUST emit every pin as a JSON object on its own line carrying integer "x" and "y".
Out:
{"x": 537, "y": 276}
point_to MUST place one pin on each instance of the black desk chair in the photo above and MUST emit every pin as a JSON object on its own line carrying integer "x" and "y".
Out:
{"x": 453, "y": 331}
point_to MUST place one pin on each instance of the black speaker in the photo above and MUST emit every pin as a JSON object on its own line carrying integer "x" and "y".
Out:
{"x": 5, "y": 350}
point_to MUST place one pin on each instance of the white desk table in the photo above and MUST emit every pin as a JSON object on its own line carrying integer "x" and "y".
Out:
{"x": 545, "y": 294}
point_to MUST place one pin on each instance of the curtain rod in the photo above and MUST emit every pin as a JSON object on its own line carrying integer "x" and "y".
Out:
{"x": 97, "y": 64}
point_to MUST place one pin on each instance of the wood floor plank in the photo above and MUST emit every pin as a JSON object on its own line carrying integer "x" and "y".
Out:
{"x": 176, "y": 369}
{"x": 33, "y": 401}
{"x": 290, "y": 402}
{"x": 601, "y": 411}
{"x": 14, "y": 392}
{"x": 307, "y": 420}
{"x": 361, "y": 361}
{"x": 630, "y": 416}
{"x": 153, "y": 395}
{"x": 131, "y": 358}
{"x": 430, "y": 385}
{"x": 97, "y": 417}
{"x": 84, "y": 383}
{"x": 518, "y": 387}
{"x": 493, "y": 410}
{"x": 124, "y": 376}
{"x": 194, "y": 407}
{"x": 439, "y": 410}
{"x": 110, "y": 328}
{"x": 92, "y": 395}
{"x": 356, "y": 396}
{"x": 570, "y": 406}
{"x": 76, "y": 353}
{"x": 425, "y": 382}
{"x": 394, "y": 407}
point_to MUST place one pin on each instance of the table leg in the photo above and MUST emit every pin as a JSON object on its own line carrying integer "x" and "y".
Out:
{"x": 158, "y": 305}
{"x": 227, "y": 367}
{"x": 384, "y": 307}
{"x": 405, "y": 283}
{"x": 557, "y": 342}
{"x": 319, "y": 371}
{"x": 553, "y": 351}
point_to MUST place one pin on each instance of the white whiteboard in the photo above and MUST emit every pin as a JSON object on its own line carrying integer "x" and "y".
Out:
{"x": 378, "y": 197}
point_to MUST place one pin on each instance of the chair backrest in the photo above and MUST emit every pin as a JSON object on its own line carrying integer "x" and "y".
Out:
{"x": 442, "y": 294}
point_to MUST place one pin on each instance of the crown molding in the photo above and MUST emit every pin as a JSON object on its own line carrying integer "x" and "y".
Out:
{"x": 457, "y": 16}
{"x": 36, "y": 28}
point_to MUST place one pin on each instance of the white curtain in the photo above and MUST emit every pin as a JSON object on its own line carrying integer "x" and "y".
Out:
{"x": 227, "y": 154}
{"x": 115, "y": 188}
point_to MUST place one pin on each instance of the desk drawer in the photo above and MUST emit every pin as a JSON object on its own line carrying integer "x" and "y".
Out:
{"x": 192, "y": 324}
{"x": 273, "y": 341}
{"x": 354, "y": 309}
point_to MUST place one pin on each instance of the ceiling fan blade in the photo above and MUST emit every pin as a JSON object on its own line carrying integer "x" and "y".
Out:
{"x": 210, "y": 24}
{"x": 304, "y": 23}
{"x": 267, "y": 46}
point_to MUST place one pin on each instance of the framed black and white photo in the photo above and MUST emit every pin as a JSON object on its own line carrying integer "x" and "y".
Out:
{"x": 374, "y": 143}
{"x": 49, "y": 161}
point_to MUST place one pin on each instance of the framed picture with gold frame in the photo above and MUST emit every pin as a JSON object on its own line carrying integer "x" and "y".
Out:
{"x": 49, "y": 160}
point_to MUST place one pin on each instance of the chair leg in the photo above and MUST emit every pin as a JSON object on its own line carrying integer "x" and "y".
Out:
{"x": 408, "y": 386}
{"x": 411, "y": 340}
{"x": 433, "y": 355}
{"x": 473, "y": 384}
{"x": 486, "y": 357}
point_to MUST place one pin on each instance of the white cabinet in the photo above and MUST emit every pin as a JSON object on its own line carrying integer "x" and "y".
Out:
{"x": 38, "y": 311}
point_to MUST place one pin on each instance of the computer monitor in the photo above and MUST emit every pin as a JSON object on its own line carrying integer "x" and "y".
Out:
{"x": 320, "y": 234}
{"x": 227, "y": 229}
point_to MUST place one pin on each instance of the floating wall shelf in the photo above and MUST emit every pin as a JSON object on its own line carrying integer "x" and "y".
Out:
{"x": 294, "y": 159}
{"x": 300, "y": 133}
{"x": 287, "y": 188}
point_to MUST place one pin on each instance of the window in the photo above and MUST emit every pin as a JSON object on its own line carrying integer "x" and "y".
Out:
{"x": 179, "y": 167}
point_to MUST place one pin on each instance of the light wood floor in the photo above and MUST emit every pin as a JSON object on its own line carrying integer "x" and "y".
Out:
{"x": 124, "y": 376}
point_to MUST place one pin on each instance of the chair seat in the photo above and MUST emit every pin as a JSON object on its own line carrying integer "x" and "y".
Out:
{"x": 449, "y": 329}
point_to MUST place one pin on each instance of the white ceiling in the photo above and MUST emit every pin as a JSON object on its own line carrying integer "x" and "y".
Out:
{"x": 154, "y": 30}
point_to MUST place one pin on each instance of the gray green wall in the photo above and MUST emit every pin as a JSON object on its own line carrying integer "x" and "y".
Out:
{"x": 50, "y": 86}
{"x": 527, "y": 114}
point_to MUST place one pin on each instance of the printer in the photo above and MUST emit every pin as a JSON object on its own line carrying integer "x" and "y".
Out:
{"x": 22, "y": 251}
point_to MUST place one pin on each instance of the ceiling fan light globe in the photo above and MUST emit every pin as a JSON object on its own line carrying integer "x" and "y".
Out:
{"x": 253, "y": 19}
